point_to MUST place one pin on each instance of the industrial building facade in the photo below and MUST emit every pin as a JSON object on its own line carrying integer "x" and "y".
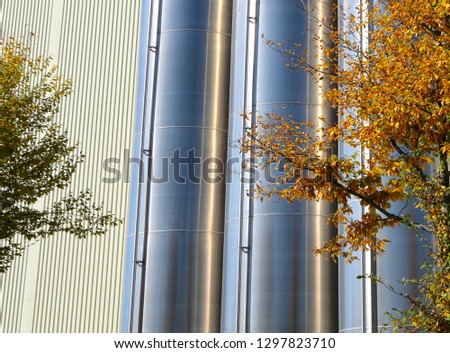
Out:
{"x": 63, "y": 284}
{"x": 169, "y": 80}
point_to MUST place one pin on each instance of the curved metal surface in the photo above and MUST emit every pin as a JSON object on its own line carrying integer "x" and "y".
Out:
{"x": 403, "y": 259}
{"x": 361, "y": 311}
{"x": 351, "y": 303}
{"x": 363, "y": 305}
{"x": 355, "y": 300}
{"x": 133, "y": 246}
{"x": 185, "y": 211}
{"x": 271, "y": 280}
{"x": 283, "y": 287}
{"x": 234, "y": 300}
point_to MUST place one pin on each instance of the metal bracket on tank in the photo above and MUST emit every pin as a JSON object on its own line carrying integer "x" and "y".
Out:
{"x": 251, "y": 19}
{"x": 147, "y": 152}
{"x": 153, "y": 49}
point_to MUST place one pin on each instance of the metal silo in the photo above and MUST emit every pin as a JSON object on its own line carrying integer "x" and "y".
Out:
{"x": 362, "y": 303}
{"x": 176, "y": 237}
{"x": 272, "y": 280}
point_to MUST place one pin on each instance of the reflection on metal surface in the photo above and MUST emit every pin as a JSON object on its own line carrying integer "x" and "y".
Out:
{"x": 179, "y": 233}
{"x": 185, "y": 273}
{"x": 272, "y": 280}
{"x": 131, "y": 311}
{"x": 363, "y": 304}
{"x": 403, "y": 259}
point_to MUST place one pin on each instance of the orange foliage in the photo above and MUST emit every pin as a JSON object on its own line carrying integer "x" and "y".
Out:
{"x": 393, "y": 99}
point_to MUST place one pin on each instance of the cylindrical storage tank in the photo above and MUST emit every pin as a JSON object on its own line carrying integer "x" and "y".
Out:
{"x": 403, "y": 259}
{"x": 363, "y": 303}
{"x": 272, "y": 280}
{"x": 177, "y": 284}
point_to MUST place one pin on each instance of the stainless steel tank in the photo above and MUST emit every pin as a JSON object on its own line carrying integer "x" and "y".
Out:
{"x": 272, "y": 280}
{"x": 175, "y": 285}
{"x": 363, "y": 304}
{"x": 404, "y": 256}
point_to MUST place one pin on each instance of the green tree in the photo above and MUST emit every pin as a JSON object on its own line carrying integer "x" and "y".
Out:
{"x": 36, "y": 157}
{"x": 393, "y": 99}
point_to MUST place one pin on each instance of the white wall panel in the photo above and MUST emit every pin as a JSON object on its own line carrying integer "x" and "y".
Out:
{"x": 63, "y": 284}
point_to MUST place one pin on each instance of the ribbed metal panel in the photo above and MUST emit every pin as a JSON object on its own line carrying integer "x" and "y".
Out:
{"x": 78, "y": 283}
{"x": 19, "y": 19}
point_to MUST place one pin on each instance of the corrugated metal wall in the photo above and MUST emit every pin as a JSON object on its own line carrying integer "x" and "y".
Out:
{"x": 62, "y": 284}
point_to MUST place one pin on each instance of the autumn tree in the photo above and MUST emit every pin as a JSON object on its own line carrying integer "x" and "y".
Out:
{"x": 393, "y": 99}
{"x": 36, "y": 157}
